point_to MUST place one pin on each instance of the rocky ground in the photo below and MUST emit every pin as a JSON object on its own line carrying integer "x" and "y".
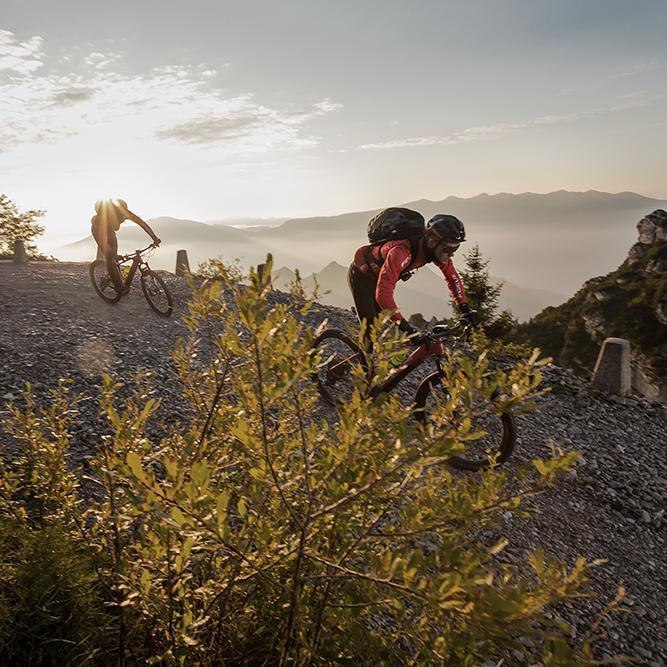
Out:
{"x": 54, "y": 326}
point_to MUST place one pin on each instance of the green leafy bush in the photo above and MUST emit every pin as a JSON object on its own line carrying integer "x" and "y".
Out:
{"x": 264, "y": 530}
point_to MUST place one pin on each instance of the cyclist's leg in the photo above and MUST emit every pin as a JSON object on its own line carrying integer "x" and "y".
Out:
{"x": 110, "y": 254}
{"x": 363, "y": 293}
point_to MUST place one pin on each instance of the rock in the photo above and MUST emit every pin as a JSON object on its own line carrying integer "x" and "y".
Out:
{"x": 646, "y": 517}
{"x": 594, "y": 323}
{"x": 637, "y": 251}
{"x": 653, "y": 227}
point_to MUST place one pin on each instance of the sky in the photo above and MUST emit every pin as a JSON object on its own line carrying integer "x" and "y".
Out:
{"x": 213, "y": 109}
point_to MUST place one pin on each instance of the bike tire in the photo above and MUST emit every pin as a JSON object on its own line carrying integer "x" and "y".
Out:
{"x": 338, "y": 344}
{"x": 101, "y": 265}
{"x": 502, "y": 437}
{"x": 151, "y": 292}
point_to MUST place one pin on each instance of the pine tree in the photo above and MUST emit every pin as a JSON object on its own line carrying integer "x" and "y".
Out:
{"x": 483, "y": 295}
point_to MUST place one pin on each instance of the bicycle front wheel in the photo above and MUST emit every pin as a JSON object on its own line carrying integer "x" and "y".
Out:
{"x": 340, "y": 361}
{"x": 497, "y": 430}
{"x": 156, "y": 293}
{"x": 99, "y": 276}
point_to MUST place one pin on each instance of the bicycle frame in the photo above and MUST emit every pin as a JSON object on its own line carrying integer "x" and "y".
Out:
{"x": 434, "y": 346}
{"x": 137, "y": 263}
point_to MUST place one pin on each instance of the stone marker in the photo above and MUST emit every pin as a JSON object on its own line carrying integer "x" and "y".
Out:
{"x": 182, "y": 264}
{"x": 20, "y": 255}
{"x": 612, "y": 368}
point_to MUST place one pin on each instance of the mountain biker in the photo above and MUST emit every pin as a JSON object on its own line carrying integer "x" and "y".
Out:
{"x": 109, "y": 215}
{"x": 375, "y": 270}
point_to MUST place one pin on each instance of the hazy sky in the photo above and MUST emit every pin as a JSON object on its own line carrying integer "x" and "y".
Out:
{"x": 211, "y": 109}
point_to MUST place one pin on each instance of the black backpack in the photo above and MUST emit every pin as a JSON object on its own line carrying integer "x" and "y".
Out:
{"x": 397, "y": 223}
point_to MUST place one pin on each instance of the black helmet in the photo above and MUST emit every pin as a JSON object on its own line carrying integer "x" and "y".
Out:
{"x": 448, "y": 227}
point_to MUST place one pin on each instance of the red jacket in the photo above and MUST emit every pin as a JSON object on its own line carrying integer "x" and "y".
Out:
{"x": 397, "y": 258}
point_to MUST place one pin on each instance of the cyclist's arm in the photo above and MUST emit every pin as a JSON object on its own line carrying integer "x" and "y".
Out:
{"x": 454, "y": 282}
{"x": 135, "y": 218}
{"x": 397, "y": 260}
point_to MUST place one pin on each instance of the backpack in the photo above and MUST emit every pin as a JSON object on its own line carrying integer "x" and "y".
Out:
{"x": 395, "y": 223}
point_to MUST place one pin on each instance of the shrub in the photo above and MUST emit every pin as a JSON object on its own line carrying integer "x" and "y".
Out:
{"x": 266, "y": 530}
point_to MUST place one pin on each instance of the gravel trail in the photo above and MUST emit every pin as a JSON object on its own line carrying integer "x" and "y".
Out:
{"x": 54, "y": 326}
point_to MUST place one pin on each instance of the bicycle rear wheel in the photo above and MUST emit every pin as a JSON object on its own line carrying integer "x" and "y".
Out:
{"x": 341, "y": 358}
{"x": 156, "y": 293}
{"x": 99, "y": 276}
{"x": 498, "y": 430}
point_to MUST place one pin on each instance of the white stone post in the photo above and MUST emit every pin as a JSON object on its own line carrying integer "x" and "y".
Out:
{"x": 182, "y": 264}
{"x": 20, "y": 255}
{"x": 612, "y": 368}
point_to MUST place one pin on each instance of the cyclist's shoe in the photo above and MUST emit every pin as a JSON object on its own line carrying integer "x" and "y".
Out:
{"x": 415, "y": 336}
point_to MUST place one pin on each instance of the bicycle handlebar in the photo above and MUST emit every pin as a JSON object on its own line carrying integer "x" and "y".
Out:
{"x": 443, "y": 331}
{"x": 124, "y": 258}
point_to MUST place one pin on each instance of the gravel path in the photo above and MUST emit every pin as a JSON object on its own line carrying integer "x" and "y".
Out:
{"x": 54, "y": 326}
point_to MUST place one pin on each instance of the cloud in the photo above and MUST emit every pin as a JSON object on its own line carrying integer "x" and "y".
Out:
{"x": 169, "y": 104}
{"x": 241, "y": 118}
{"x": 101, "y": 60}
{"x": 20, "y": 58}
{"x": 212, "y": 130}
{"x": 474, "y": 133}
{"x": 72, "y": 96}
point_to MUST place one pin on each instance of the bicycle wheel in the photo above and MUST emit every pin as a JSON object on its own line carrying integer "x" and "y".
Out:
{"x": 498, "y": 430}
{"x": 102, "y": 283}
{"x": 156, "y": 293}
{"x": 340, "y": 358}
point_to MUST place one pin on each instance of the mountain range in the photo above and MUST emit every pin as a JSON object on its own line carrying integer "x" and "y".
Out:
{"x": 549, "y": 243}
{"x": 425, "y": 293}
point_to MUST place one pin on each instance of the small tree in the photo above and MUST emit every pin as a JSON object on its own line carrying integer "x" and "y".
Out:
{"x": 483, "y": 296}
{"x": 17, "y": 226}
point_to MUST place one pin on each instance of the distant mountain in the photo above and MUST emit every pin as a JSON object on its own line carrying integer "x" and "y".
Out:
{"x": 253, "y": 224}
{"x": 548, "y": 241}
{"x": 425, "y": 293}
{"x": 630, "y": 302}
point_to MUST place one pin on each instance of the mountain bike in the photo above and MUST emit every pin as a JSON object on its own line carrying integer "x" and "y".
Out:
{"x": 336, "y": 378}
{"x": 152, "y": 285}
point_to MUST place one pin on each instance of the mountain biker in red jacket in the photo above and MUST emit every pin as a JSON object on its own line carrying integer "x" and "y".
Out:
{"x": 109, "y": 215}
{"x": 375, "y": 270}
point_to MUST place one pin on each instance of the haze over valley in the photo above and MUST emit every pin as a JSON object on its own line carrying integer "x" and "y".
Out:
{"x": 543, "y": 246}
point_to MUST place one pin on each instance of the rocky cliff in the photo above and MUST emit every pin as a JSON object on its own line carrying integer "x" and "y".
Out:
{"x": 630, "y": 302}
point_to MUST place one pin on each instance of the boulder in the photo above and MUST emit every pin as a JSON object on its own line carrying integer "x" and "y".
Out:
{"x": 643, "y": 381}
